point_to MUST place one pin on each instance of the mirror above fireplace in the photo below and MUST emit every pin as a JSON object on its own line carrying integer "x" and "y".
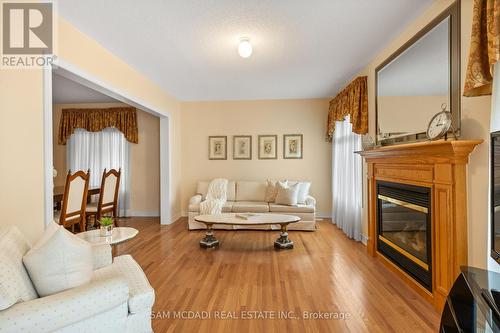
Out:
{"x": 419, "y": 80}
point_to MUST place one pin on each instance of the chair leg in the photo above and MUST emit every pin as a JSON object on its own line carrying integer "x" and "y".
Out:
{"x": 114, "y": 216}
{"x": 83, "y": 221}
{"x": 88, "y": 220}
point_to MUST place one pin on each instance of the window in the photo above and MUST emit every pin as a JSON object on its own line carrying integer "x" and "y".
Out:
{"x": 96, "y": 151}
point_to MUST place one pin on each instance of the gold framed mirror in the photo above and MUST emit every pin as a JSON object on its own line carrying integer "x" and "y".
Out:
{"x": 413, "y": 84}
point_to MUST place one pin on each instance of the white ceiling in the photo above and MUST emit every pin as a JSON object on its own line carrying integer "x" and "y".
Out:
{"x": 302, "y": 48}
{"x": 65, "y": 91}
{"x": 422, "y": 70}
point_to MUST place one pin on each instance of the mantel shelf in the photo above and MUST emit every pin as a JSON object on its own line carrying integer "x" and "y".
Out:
{"x": 451, "y": 151}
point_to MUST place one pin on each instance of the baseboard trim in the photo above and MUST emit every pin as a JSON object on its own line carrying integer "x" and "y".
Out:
{"x": 364, "y": 239}
{"x": 176, "y": 217}
{"x": 136, "y": 213}
{"x": 322, "y": 215}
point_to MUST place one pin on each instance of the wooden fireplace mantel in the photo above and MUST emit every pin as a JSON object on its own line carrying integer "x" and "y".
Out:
{"x": 440, "y": 166}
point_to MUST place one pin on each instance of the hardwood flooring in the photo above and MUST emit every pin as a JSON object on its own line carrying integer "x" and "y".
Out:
{"x": 326, "y": 274}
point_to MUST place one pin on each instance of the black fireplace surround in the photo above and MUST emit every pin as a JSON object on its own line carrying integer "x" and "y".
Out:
{"x": 404, "y": 228}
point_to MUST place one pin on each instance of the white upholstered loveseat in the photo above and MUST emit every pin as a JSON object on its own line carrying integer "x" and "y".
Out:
{"x": 119, "y": 297}
{"x": 249, "y": 196}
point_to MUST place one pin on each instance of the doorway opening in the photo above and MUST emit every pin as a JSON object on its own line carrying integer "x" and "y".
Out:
{"x": 144, "y": 187}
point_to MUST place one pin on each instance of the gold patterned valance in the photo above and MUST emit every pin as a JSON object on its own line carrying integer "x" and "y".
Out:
{"x": 484, "y": 48}
{"x": 351, "y": 101}
{"x": 94, "y": 120}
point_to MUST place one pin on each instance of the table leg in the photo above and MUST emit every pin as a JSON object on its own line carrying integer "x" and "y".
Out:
{"x": 283, "y": 242}
{"x": 209, "y": 240}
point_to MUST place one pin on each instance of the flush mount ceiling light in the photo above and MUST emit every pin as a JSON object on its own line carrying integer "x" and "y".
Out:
{"x": 245, "y": 48}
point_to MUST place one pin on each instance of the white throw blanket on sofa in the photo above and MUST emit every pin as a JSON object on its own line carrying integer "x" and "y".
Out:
{"x": 216, "y": 197}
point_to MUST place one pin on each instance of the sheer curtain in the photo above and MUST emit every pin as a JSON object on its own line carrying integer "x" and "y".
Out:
{"x": 346, "y": 180}
{"x": 98, "y": 150}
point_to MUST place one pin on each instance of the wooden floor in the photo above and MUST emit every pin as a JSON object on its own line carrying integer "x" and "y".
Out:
{"x": 325, "y": 274}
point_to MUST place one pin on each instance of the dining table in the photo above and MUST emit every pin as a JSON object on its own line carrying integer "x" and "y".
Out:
{"x": 59, "y": 192}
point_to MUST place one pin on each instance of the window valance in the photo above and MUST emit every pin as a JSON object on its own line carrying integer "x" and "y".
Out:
{"x": 94, "y": 120}
{"x": 352, "y": 101}
{"x": 484, "y": 48}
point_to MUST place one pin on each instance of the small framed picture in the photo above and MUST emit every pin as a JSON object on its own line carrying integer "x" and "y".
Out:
{"x": 268, "y": 146}
{"x": 242, "y": 147}
{"x": 292, "y": 146}
{"x": 217, "y": 147}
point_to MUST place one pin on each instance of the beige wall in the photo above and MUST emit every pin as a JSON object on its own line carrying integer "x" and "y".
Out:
{"x": 475, "y": 125}
{"x": 21, "y": 125}
{"x": 394, "y": 112}
{"x": 145, "y": 167}
{"x": 21, "y": 148}
{"x": 307, "y": 117}
{"x": 144, "y": 159}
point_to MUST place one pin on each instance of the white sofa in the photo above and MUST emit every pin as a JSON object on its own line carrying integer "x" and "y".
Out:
{"x": 118, "y": 299}
{"x": 249, "y": 196}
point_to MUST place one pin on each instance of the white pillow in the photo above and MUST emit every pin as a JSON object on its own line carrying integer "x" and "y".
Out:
{"x": 59, "y": 261}
{"x": 303, "y": 192}
{"x": 272, "y": 190}
{"x": 287, "y": 195}
{"x": 15, "y": 284}
{"x": 50, "y": 230}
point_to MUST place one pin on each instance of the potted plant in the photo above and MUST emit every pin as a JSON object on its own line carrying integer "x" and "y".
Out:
{"x": 106, "y": 226}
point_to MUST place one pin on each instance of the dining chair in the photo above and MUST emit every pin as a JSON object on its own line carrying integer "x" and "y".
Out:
{"x": 74, "y": 200}
{"x": 108, "y": 196}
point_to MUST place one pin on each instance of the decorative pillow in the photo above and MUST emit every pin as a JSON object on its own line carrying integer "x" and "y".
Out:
{"x": 303, "y": 192}
{"x": 15, "y": 284}
{"x": 272, "y": 190}
{"x": 59, "y": 262}
{"x": 50, "y": 230}
{"x": 287, "y": 195}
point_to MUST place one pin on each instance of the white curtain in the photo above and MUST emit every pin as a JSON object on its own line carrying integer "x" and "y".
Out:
{"x": 347, "y": 180}
{"x": 99, "y": 150}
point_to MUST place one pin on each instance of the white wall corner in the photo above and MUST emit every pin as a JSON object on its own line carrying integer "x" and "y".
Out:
{"x": 166, "y": 216}
{"x": 47, "y": 145}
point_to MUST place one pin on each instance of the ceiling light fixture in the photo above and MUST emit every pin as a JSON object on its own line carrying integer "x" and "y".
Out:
{"x": 245, "y": 48}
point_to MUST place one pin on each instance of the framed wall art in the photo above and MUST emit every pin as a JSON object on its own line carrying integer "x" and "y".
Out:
{"x": 292, "y": 146}
{"x": 217, "y": 147}
{"x": 242, "y": 147}
{"x": 268, "y": 146}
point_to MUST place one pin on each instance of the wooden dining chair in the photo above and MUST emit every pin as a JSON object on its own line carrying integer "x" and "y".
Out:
{"x": 74, "y": 201}
{"x": 108, "y": 196}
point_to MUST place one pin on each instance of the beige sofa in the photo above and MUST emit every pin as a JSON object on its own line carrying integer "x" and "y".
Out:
{"x": 249, "y": 196}
{"x": 119, "y": 297}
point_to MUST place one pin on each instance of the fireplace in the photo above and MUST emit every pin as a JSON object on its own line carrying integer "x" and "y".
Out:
{"x": 440, "y": 170}
{"x": 404, "y": 228}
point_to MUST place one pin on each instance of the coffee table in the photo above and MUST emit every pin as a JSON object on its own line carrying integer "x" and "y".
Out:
{"x": 283, "y": 242}
{"x": 118, "y": 235}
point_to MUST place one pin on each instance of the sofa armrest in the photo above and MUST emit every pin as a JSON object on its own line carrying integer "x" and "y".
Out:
{"x": 50, "y": 313}
{"x": 196, "y": 199}
{"x": 101, "y": 254}
{"x": 310, "y": 201}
